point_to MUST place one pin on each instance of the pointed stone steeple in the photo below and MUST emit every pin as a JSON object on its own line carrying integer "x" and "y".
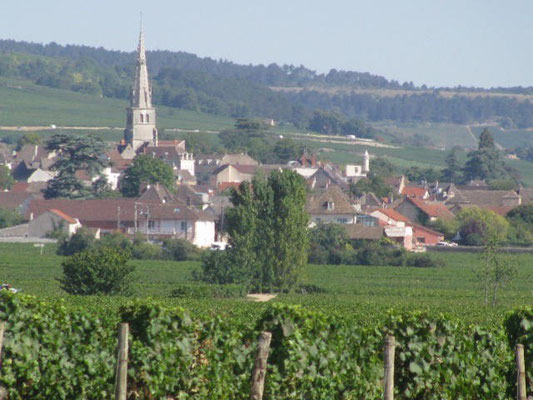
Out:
{"x": 141, "y": 96}
{"x": 141, "y": 117}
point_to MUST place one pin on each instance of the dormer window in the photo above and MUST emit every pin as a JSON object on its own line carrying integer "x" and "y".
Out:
{"x": 330, "y": 205}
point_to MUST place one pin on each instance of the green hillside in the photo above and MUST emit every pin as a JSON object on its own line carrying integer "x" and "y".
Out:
{"x": 25, "y": 104}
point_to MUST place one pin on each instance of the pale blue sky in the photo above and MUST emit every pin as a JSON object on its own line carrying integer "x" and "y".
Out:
{"x": 437, "y": 42}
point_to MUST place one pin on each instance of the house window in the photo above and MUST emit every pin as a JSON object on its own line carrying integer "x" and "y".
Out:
{"x": 342, "y": 220}
{"x": 330, "y": 205}
{"x": 151, "y": 225}
{"x": 184, "y": 226}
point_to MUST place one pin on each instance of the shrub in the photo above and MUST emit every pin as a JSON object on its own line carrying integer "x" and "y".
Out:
{"x": 424, "y": 261}
{"x": 101, "y": 271}
{"x": 9, "y": 218}
{"x": 82, "y": 240}
{"x": 115, "y": 240}
{"x": 180, "y": 250}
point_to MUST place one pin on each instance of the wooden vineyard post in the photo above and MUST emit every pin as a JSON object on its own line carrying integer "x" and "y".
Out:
{"x": 2, "y": 330}
{"x": 3, "y": 393}
{"x": 389, "y": 367}
{"x": 121, "y": 375}
{"x": 260, "y": 367}
{"x": 520, "y": 373}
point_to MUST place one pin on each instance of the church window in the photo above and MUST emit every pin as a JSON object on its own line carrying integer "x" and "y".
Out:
{"x": 142, "y": 117}
{"x": 147, "y": 117}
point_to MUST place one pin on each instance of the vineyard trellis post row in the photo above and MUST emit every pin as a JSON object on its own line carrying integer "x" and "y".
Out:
{"x": 388, "y": 360}
{"x": 3, "y": 392}
{"x": 121, "y": 377}
{"x": 260, "y": 367}
{"x": 521, "y": 393}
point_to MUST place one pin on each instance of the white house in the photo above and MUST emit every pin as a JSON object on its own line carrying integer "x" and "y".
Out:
{"x": 52, "y": 220}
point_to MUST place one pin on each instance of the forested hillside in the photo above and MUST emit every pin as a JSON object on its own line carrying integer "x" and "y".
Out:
{"x": 221, "y": 87}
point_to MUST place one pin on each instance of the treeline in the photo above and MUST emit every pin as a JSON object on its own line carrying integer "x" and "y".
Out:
{"x": 431, "y": 107}
{"x": 221, "y": 87}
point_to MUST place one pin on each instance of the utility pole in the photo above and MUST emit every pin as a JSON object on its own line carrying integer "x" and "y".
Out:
{"x": 135, "y": 217}
{"x": 147, "y": 222}
{"x": 118, "y": 218}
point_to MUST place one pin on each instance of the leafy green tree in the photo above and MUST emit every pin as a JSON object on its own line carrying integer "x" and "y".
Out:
{"x": 521, "y": 224}
{"x": 67, "y": 186}
{"x": 9, "y": 218}
{"x": 417, "y": 174}
{"x": 101, "y": 271}
{"x": 145, "y": 169}
{"x": 478, "y": 226}
{"x": 6, "y": 180}
{"x": 75, "y": 153}
{"x": 496, "y": 270}
{"x": 452, "y": 171}
{"x": 373, "y": 184}
{"x": 485, "y": 162}
{"x": 382, "y": 167}
{"x": 324, "y": 241}
{"x": 267, "y": 228}
{"x": 287, "y": 149}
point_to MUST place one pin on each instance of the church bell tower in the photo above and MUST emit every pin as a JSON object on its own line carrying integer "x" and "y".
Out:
{"x": 141, "y": 118}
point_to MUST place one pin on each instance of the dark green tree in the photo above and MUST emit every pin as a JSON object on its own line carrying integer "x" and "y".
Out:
{"x": 101, "y": 271}
{"x": 145, "y": 169}
{"x": 267, "y": 228}
{"x": 485, "y": 162}
{"x": 452, "y": 172}
{"x": 373, "y": 184}
{"x": 9, "y": 218}
{"x": 75, "y": 153}
{"x": 287, "y": 149}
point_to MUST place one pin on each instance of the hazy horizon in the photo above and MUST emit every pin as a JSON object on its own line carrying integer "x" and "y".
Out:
{"x": 437, "y": 43}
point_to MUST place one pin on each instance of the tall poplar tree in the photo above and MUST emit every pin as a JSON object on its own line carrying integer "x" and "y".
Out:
{"x": 267, "y": 227}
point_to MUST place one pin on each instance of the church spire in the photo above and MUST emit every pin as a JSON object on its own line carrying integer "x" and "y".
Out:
{"x": 141, "y": 91}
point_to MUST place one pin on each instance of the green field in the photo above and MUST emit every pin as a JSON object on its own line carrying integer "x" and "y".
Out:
{"x": 25, "y": 104}
{"x": 361, "y": 292}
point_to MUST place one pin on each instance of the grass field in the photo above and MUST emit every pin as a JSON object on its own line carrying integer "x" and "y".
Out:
{"x": 25, "y": 104}
{"x": 364, "y": 293}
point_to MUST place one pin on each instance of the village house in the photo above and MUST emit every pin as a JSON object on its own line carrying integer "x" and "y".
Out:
{"x": 52, "y": 220}
{"x": 499, "y": 201}
{"x": 150, "y": 217}
{"x": 331, "y": 205}
{"x": 419, "y": 210}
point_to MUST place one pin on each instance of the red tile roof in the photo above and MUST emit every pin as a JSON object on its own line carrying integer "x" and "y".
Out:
{"x": 20, "y": 187}
{"x": 414, "y": 191}
{"x": 433, "y": 210}
{"x": 394, "y": 215}
{"x": 61, "y": 214}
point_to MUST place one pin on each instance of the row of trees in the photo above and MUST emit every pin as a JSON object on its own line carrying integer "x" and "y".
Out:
{"x": 253, "y": 137}
{"x": 484, "y": 163}
{"x": 220, "y": 87}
